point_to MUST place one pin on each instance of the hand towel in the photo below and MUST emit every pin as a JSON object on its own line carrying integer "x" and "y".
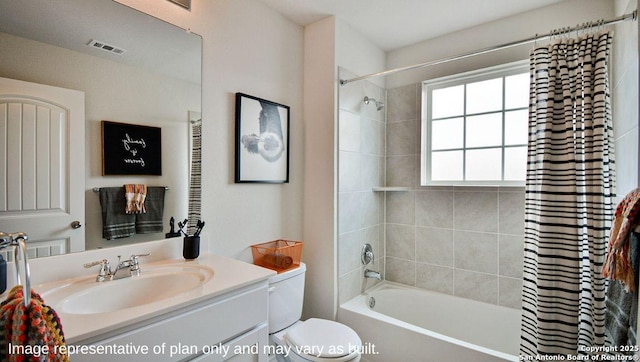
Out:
{"x": 135, "y": 195}
{"x": 617, "y": 265}
{"x": 151, "y": 221}
{"x": 37, "y": 325}
{"x": 115, "y": 222}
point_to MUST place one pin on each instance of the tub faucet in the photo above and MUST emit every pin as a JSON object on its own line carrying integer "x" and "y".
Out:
{"x": 372, "y": 274}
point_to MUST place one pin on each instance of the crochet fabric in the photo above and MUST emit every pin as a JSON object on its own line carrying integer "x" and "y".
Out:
{"x": 617, "y": 265}
{"x": 38, "y": 327}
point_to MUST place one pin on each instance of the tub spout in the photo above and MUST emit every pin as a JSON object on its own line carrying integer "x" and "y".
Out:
{"x": 372, "y": 274}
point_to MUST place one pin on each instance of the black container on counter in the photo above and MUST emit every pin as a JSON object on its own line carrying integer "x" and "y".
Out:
{"x": 191, "y": 247}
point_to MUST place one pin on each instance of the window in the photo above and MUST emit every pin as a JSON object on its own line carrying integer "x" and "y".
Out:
{"x": 475, "y": 127}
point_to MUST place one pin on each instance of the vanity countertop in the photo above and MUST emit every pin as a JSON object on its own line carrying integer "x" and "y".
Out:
{"x": 229, "y": 275}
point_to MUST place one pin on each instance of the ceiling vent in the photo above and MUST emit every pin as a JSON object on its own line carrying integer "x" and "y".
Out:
{"x": 106, "y": 47}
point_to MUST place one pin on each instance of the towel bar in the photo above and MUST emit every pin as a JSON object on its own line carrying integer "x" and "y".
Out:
{"x": 97, "y": 189}
{"x": 18, "y": 240}
{"x": 21, "y": 247}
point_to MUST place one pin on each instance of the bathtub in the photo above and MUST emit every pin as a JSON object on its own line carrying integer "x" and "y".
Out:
{"x": 410, "y": 324}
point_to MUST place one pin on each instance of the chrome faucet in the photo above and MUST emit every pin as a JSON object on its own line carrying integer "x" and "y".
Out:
{"x": 105, "y": 273}
{"x": 372, "y": 274}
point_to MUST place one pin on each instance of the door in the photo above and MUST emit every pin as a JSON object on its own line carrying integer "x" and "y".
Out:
{"x": 42, "y": 165}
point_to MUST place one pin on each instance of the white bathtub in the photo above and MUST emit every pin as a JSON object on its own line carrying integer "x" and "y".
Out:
{"x": 409, "y": 324}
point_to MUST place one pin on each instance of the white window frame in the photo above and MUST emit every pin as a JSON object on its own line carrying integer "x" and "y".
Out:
{"x": 454, "y": 80}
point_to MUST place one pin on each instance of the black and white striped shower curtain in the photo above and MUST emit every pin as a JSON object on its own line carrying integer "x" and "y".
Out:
{"x": 195, "y": 178}
{"x": 569, "y": 196}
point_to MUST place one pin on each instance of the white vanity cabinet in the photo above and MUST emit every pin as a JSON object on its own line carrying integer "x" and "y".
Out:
{"x": 228, "y": 327}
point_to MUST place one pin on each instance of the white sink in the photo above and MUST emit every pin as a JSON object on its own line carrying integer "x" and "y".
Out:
{"x": 156, "y": 283}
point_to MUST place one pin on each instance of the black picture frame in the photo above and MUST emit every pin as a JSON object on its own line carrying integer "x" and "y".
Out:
{"x": 130, "y": 149}
{"x": 262, "y": 140}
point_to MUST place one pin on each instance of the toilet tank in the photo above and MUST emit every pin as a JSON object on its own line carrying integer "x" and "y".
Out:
{"x": 286, "y": 294}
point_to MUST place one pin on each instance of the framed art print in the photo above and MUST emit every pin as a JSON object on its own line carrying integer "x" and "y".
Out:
{"x": 262, "y": 140}
{"x": 129, "y": 149}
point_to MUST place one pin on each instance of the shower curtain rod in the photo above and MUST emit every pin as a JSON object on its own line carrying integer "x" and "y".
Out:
{"x": 630, "y": 16}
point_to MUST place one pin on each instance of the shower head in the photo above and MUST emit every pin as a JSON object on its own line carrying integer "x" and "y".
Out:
{"x": 379, "y": 105}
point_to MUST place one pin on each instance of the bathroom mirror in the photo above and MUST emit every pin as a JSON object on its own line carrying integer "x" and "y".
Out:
{"x": 132, "y": 68}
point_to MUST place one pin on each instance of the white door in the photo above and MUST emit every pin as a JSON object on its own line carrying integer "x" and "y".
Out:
{"x": 42, "y": 165}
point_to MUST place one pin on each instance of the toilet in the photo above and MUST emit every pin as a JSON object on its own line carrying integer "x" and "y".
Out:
{"x": 311, "y": 340}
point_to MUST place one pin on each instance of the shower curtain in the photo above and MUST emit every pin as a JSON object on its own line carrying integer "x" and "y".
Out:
{"x": 569, "y": 196}
{"x": 195, "y": 187}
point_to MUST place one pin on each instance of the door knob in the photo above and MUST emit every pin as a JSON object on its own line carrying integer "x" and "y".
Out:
{"x": 76, "y": 224}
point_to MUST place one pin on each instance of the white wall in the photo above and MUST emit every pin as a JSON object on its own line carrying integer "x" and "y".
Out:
{"x": 358, "y": 54}
{"x": 329, "y": 43}
{"x": 120, "y": 93}
{"x": 249, "y": 48}
{"x": 540, "y": 21}
{"x": 320, "y": 170}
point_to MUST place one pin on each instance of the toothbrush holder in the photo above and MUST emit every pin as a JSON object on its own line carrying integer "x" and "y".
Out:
{"x": 191, "y": 247}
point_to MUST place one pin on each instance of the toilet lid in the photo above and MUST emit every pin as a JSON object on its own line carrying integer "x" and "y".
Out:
{"x": 323, "y": 338}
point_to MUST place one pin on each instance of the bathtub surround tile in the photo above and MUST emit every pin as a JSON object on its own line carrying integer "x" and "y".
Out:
{"x": 402, "y": 103}
{"x": 434, "y": 209}
{"x": 476, "y": 211}
{"x": 400, "y": 208}
{"x": 402, "y": 138}
{"x": 349, "y": 171}
{"x": 476, "y": 251}
{"x": 434, "y": 226}
{"x": 476, "y": 286}
{"x": 433, "y": 277}
{"x": 361, "y": 142}
{"x": 372, "y": 133}
{"x": 511, "y": 256}
{"x": 371, "y": 209}
{"x": 372, "y": 235}
{"x": 447, "y": 220}
{"x": 350, "y": 211}
{"x": 434, "y": 246}
{"x": 349, "y": 246}
{"x": 510, "y": 292}
{"x": 511, "y": 212}
{"x": 349, "y": 131}
{"x": 370, "y": 172}
{"x": 349, "y": 285}
{"x": 400, "y": 271}
{"x": 401, "y": 171}
{"x": 401, "y": 241}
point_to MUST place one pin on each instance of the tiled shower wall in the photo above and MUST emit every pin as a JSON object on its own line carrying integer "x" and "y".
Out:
{"x": 361, "y": 142}
{"x": 464, "y": 241}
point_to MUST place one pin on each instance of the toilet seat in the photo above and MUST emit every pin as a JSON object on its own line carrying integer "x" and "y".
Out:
{"x": 325, "y": 340}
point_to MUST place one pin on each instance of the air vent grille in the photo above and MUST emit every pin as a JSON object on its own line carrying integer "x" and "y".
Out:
{"x": 106, "y": 47}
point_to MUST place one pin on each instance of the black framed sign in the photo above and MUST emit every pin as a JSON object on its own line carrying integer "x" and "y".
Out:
{"x": 262, "y": 140}
{"x": 129, "y": 149}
